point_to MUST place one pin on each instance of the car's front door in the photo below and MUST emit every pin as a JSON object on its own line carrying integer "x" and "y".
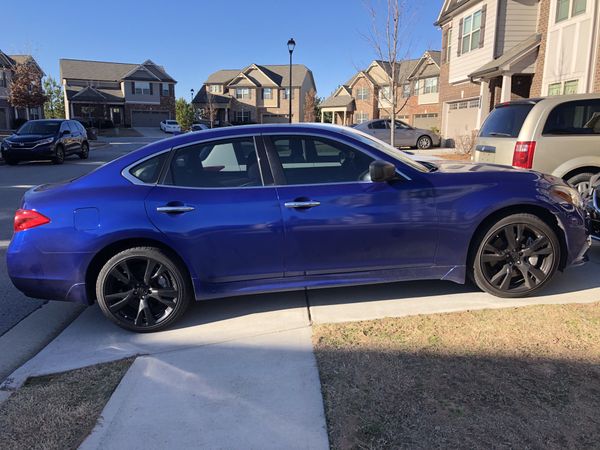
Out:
{"x": 336, "y": 220}
{"x": 380, "y": 130}
{"x": 404, "y": 135}
{"x": 219, "y": 214}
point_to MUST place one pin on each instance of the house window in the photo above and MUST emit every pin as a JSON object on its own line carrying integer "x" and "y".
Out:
{"x": 555, "y": 89}
{"x": 362, "y": 93}
{"x": 286, "y": 93}
{"x": 242, "y": 93}
{"x": 214, "y": 88}
{"x": 267, "y": 93}
{"x": 578, "y": 7}
{"x": 142, "y": 88}
{"x": 406, "y": 89}
{"x": 449, "y": 45}
{"x": 3, "y": 79}
{"x": 471, "y": 32}
{"x": 571, "y": 87}
{"x": 563, "y": 8}
{"x": 430, "y": 85}
{"x": 362, "y": 117}
{"x": 165, "y": 89}
{"x": 242, "y": 116}
{"x": 34, "y": 113}
{"x": 385, "y": 93}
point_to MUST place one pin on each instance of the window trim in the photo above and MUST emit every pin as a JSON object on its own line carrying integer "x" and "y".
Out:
{"x": 471, "y": 32}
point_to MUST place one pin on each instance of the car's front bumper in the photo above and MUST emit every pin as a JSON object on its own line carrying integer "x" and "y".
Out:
{"x": 28, "y": 154}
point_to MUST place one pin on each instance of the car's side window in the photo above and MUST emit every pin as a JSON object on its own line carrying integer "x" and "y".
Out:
{"x": 149, "y": 170}
{"x": 73, "y": 127}
{"x": 316, "y": 160}
{"x": 64, "y": 126}
{"x": 581, "y": 117}
{"x": 216, "y": 164}
{"x": 378, "y": 125}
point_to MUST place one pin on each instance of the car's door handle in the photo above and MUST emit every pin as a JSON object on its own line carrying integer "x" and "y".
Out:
{"x": 302, "y": 204}
{"x": 174, "y": 209}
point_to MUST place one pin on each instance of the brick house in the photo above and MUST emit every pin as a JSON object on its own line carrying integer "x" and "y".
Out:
{"x": 136, "y": 95}
{"x": 363, "y": 97}
{"x": 497, "y": 50}
{"x": 255, "y": 94}
{"x": 8, "y": 113}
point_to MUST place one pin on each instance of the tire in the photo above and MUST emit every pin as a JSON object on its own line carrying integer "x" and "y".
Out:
{"x": 128, "y": 290}
{"x": 59, "y": 155}
{"x": 85, "y": 151}
{"x": 581, "y": 181}
{"x": 424, "y": 143}
{"x": 516, "y": 267}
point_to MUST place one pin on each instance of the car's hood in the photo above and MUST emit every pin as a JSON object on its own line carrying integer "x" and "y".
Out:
{"x": 28, "y": 137}
{"x": 466, "y": 166}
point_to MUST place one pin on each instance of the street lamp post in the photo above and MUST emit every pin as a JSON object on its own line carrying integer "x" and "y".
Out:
{"x": 291, "y": 44}
{"x": 192, "y": 93}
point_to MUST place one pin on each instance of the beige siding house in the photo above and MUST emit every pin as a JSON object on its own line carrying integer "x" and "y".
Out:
{"x": 498, "y": 50}
{"x": 255, "y": 94}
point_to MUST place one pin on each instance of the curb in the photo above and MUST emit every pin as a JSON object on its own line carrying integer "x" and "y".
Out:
{"x": 32, "y": 334}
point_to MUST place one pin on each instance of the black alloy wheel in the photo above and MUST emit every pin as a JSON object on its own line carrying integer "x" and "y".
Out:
{"x": 516, "y": 257}
{"x": 141, "y": 289}
{"x": 85, "y": 151}
{"x": 59, "y": 155}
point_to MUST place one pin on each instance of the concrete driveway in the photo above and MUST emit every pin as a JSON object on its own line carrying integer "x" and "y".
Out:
{"x": 240, "y": 371}
{"x": 152, "y": 132}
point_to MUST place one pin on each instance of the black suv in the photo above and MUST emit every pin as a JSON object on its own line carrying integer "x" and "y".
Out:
{"x": 52, "y": 139}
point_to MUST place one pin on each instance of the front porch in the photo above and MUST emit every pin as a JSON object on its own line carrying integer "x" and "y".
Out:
{"x": 100, "y": 115}
{"x": 340, "y": 108}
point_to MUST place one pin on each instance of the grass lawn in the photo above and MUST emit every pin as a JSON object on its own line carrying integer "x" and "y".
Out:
{"x": 58, "y": 411}
{"x": 513, "y": 378}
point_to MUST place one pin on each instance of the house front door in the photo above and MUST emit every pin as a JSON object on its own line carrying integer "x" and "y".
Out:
{"x": 116, "y": 116}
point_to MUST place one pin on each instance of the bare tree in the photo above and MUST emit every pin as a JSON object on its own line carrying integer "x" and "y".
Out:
{"x": 388, "y": 38}
{"x": 310, "y": 106}
{"x": 210, "y": 110}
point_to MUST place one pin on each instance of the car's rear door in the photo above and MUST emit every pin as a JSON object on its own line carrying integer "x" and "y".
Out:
{"x": 218, "y": 206}
{"x": 337, "y": 221}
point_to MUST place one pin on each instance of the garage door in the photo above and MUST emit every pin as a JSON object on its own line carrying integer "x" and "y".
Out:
{"x": 148, "y": 118}
{"x": 426, "y": 121}
{"x": 461, "y": 119}
{"x": 274, "y": 118}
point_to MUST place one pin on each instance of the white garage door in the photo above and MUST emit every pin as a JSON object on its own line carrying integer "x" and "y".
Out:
{"x": 461, "y": 119}
{"x": 148, "y": 118}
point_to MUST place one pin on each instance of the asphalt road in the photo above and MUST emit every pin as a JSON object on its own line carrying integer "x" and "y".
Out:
{"x": 14, "y": 181}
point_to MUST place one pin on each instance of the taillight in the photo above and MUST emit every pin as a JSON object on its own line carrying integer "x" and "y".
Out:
{"x": 523, "y": 155}
{"x": 28, "y": 218}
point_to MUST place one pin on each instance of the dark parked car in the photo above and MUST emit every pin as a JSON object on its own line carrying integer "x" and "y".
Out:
{"x": 259, "y": 208}
{"x": 52, "y": 139}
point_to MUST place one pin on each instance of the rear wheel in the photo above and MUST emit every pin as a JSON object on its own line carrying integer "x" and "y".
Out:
{"x": 85, "y": 151}
{"x": 516, "y": 257}
{"x": 581, "y": 181}
{"x": 142, "y": 289}
{"x": 59, "y": 155}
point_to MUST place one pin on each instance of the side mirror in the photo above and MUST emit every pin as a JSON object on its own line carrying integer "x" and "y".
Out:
{"x": 381, "y": 171}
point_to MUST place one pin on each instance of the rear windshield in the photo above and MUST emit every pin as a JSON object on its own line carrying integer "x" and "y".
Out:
{"x": 172, "y": 122}
{"x": 506, "y": 121}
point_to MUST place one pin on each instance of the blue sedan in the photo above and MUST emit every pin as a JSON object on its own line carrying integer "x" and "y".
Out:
{"x": 264, "y": 208}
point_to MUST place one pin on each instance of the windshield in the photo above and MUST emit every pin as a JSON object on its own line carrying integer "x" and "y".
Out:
{"x": 172, "y": 122}
{"x": 385, "y": 148}
{"x": 39, "y": 127}
{"x": 506, "y": 121}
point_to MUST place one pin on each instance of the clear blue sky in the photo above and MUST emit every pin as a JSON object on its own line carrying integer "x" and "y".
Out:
{"x": 195, "y": 38}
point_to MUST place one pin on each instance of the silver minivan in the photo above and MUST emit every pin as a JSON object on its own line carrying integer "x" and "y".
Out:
{"x": 559, "y": 135}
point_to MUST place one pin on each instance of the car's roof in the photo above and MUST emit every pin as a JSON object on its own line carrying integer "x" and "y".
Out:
{"x": 550, "y": 100}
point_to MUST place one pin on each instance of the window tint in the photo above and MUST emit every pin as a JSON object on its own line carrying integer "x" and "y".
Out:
{"x": 506, "y": 121}
{"x": 311, "y": 160}
{"x": 377, "y": 125}
{"x": 574, "y": 118}
{"x": 231, "y": 163}
{"x": 148, "y": 171}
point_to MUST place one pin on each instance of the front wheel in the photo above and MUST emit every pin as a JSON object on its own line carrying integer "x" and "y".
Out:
{"x": 424, "y": 142}
{"x": 141, "y": 289}
{"x": 581, "y": 182}
{"x": 516, "y": 257}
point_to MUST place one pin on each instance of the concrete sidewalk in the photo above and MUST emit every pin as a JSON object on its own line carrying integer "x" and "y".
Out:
{"x": 239, "y": 372}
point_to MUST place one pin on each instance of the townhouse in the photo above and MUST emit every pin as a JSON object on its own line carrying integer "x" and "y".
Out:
{"x": 497, "y": 50}
{"x": 255, "y": 94}
{"x": 364, "y": 96}
{"x": 9, "y": 114}
{"x": 117, "y": 94}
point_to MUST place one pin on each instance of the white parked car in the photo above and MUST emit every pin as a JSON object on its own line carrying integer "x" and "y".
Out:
{"x": 170, "y": 126}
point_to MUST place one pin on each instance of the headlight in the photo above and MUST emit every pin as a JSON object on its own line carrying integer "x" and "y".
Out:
{"x": 45, "y": 141}
{"x": 566, "y": 194}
